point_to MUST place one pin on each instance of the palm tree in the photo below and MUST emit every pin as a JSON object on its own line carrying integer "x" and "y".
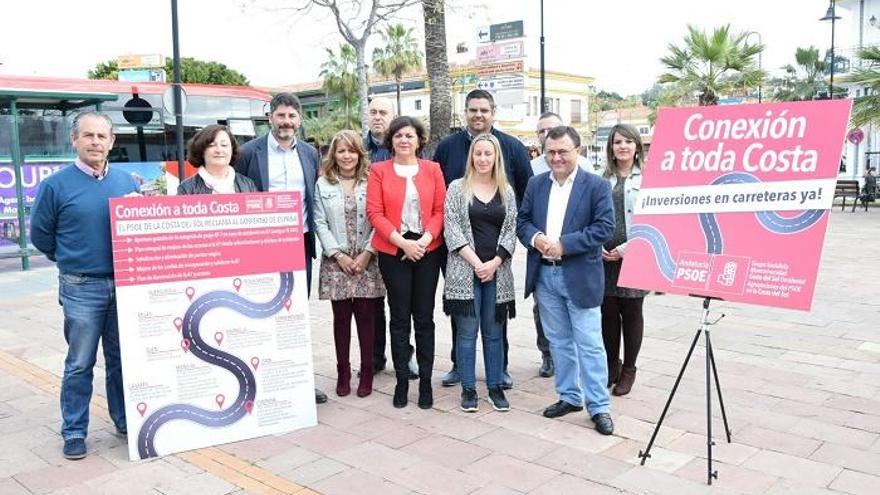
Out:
{"x": 400, "y": 55}
{"x": 802, "y": 81}
{"x": 866, "y": 109}
{"x": 341, "y": 81}
{"x": 708, "y": 66}
{"x": 438, "y": 71}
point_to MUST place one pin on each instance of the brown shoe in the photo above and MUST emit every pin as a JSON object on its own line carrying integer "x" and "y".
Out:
{"x": 627, "y": 378}
{"x": 614, "y": 372}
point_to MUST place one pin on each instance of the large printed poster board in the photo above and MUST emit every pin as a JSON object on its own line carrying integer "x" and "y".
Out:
{"x": 735, "y": 201}
{"x": 213, "y": 319}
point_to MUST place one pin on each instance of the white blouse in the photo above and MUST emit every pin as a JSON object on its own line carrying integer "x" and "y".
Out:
{"x": 411, "y": 217}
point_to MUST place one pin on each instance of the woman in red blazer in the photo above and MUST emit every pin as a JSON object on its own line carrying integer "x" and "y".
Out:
{"x": 405, "y": 198}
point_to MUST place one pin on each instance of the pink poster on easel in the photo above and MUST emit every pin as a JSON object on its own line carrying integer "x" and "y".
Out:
{"x": 735, "y": 201}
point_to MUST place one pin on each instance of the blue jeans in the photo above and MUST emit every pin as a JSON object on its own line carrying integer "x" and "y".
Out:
{"x": 89, "y": 305}
{"x": 575, "y": 336}
{"x": 466, "y": 338}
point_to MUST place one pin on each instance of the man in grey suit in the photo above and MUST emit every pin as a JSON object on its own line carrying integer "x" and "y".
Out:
{"x": 280, "y": 162}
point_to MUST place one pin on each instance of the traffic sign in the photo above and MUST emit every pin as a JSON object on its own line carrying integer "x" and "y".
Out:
{"x": 497, "y": 52}
{"x": 506, "y": 31}
{"x": 495, "y": 83}
{"x": 499, "y": 68}
{"x": 500, "y": 32}
{"x": 140, "y": 61}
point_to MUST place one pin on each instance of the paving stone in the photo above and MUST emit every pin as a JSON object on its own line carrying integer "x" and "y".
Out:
{"x": 788, "y": 443}
{"x": 291, "y": 458}
{"x": 347, "y": 482}
{"x": 695, "y": 445}
{"x": 512, "y": 473}
{"x": 848, "y": 457}
{"x": 203, "y": 484}
{"x": 428, "y": 477}
{"x": 69, "y": 473}
{"x": 794, "y": 468}
{"x": 595, "y": 467}
{"x": 375, "y": 458}
{"x": 570, "y": 484}
{"x": 446, "y": 451}
{"x": 317, "y": 470}
{"x": 856, "y": 483}
{"x": 734, "y": 478}
{"x": 9, "y": 486}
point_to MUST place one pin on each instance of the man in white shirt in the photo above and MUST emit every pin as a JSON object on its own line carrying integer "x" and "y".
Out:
{"x": 281, "y": 162}
{"x": 565, "y": 217}
{"x": 547, "y": 121}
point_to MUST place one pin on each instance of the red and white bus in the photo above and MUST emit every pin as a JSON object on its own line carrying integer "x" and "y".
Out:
{"x": 45, "y": 108}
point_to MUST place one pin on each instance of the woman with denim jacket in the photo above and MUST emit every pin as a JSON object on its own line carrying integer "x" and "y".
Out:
{"x": 349, "y": 275}
{"x": 622, "y": 306}
{"x": 480, "y": 232}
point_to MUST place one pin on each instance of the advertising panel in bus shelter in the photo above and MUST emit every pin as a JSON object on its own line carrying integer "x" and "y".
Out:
{"x": 213, "y": 319}
{"x": 735, "y": 201}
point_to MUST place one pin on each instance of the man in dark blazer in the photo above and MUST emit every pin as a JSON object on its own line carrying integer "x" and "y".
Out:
{"x": 280, "y": 162}
{"x": 452, "y": 155}
{"x": 565, "y": 217}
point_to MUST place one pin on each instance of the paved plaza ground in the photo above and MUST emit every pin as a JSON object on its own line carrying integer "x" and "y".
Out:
{"x": 802, "y": 392}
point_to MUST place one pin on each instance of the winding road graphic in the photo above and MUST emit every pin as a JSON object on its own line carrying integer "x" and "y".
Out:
{"x": 201, "y": 350}
{"x": 770, "y": 220}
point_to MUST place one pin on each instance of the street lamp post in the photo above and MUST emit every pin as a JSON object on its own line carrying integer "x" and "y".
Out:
{"x": 760, "y": 64}
{"x": 831, "y": 15}
{"x": 543, "y": 81}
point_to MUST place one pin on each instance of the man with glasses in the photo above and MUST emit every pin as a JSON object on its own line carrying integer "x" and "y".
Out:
{"x": 452, "y": 155}
{"x": 565, "y": 218}
{"x": 547, "y": 121}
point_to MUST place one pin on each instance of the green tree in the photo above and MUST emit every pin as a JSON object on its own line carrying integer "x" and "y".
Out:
{"x": 803, "y": 80}
{"x": 399, "y": 56}
{"x": 866, "y": 109}
{"x": 709, "y": 66}
{"x": 341, "y": 82}
{"x": 191, "y": 71}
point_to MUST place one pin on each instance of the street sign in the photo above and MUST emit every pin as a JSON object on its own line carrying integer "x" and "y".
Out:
{"x": 140, "y": 61}
{"x": 494, "y": 83}
{"x": 500, "y": 32}
{"x": 855, "y": 136}
{"x": 497, "y": 52}
{"x": 483, "y": 34}
{"x": 142, "y": 75}
{"x": 506, "y": 31}
{"x": 509, "y": 97}
{"x": 499, "y": 68}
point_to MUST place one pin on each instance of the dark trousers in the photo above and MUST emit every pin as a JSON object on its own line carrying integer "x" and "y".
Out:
{"x": 622, "y": 313}
{"x": 541, "y": 340}
{"x": 442, "y": 250}
{"x": 364, "y": 311}
{"x": 309, "y": 241}
{"x": 411, "y": 288}
{"x": 379, "y": 335}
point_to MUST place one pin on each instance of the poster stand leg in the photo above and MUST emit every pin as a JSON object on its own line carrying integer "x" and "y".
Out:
{"x": 711, "y": 372}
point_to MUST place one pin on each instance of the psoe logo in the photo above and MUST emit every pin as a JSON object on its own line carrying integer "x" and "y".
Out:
{"x": 728, "y": 274}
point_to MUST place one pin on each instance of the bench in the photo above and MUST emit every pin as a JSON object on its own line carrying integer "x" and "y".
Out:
{"x": 847, "y": 189}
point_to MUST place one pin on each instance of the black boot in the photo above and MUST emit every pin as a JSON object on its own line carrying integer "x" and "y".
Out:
{"x": 426, "y": 394}
{"x": 401, "y": 390}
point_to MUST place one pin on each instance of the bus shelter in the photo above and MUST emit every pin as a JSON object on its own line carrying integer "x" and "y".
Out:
{"x": 25, "y": 118}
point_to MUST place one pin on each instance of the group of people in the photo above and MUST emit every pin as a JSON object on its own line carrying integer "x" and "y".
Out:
{"x": 389, "y": 222}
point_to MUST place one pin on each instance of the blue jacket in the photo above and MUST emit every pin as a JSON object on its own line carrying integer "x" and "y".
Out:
{"x": 588, "y": 224}
{"x": 377, "y": 152}
{"x": 253, "y": 162}
{"x": 452, "y": 155}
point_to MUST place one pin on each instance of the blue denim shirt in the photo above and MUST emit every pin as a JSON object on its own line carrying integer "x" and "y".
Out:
{"x": 329, "y": 208}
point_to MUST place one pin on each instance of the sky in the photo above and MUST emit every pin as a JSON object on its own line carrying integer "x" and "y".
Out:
{"x": 619, "y": 43}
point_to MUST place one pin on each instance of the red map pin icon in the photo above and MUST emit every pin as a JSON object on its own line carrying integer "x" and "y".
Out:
{"x": 287, "y": 304}
{"x": 190, "y": 292}
{"x": 255, "y": 362}
{"x": 184, "y": 344}
{"x": 178, "y": 322}
{"x": 249, "y": 406}
{"x": 236, "y": 283}
{"x": 218, "y": 337}
{"x": 142, "y": 408}
{"x": 220, "y": 399}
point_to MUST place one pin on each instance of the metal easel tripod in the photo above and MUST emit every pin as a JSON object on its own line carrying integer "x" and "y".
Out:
{"x": 710, "y": 368}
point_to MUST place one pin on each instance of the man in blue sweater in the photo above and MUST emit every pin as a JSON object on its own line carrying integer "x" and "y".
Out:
{"x": 70, "y": 224}
{"x": 452, "y": 155}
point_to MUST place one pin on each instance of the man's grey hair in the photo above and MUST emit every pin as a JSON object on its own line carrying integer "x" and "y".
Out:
{"x": 74, "y": 128}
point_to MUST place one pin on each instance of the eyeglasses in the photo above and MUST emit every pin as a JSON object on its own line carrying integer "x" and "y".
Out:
{"x": 540, "y": 132}
{"x": 552, "y": 153}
